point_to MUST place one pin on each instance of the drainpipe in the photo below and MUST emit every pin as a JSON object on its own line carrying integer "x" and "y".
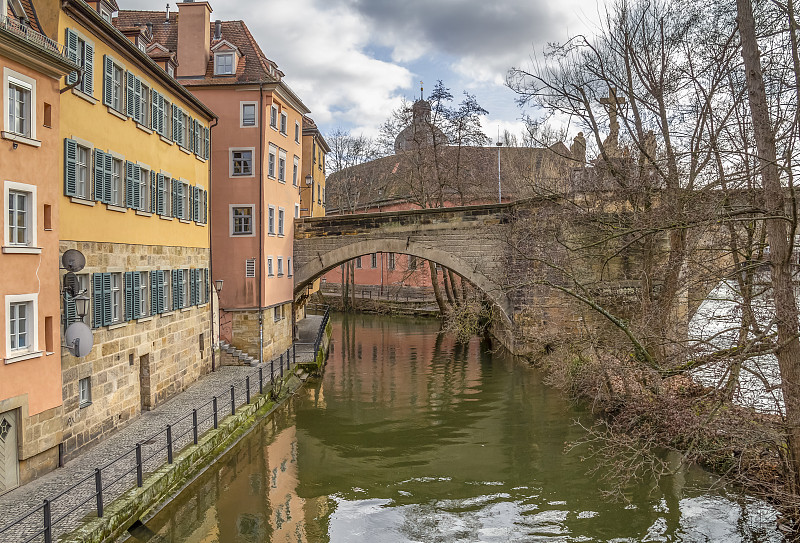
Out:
{"x": 261, "y": 221}
{"x": 212, "y": 290}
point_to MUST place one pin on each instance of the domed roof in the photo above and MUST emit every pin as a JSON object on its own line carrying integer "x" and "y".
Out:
{"x": 421, "y": 132}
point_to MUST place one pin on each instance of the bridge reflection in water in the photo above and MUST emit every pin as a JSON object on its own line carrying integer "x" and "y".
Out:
{"x": 412, "y": 437}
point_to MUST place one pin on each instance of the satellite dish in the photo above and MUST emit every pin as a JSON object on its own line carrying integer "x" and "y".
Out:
{"x": 71, "y": 283}
{"x": 73, "y": 260}
{"x": 79, "y": 339}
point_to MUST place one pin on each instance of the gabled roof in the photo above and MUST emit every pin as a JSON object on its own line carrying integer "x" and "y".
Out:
{"x": 310, "y": 129}
{"x": 19, "y": 9}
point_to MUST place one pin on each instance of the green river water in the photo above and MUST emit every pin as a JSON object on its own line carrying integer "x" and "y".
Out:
{"x": 410, "y": 437}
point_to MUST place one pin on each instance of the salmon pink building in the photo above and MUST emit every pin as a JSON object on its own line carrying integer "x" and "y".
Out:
{"x": 256, "y": 155}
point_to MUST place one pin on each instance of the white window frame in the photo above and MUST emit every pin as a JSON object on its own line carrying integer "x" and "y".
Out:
{"x": 118, "y": 182}
{"x": 296, "y": 171}
{"x": 242, "y": 105}
{"x": 85, "y": 392}
{"x": 296, "y": 211}
{"x": 117, "y": 302}
{"x": 145, "y": 190}
{"x": 144, "y": 294}
{"x": 284, "y": 123}
{"x": 233, "y": 150}
{"x": 186, "y": 188}
{"x": 218, "y": 65}
{"x": 281, "y": 166}
{"x": 32, "y": 225}
{"x": 166, "y": 291}
{"x": 32, "y": 327}
{"x": 281, "y": 221}
{"x": 272, "y": 161}
{"x": 280, "y": 266}
{"x": 296, "y": 132}
{"x": 88, "y": 193}
{"x": 271, "y": 220}
{"x": 289, "y": 265}
{"x": 273, "y": 117}
{"x": 231, "y": 225}
{"x": 270, "y": 269}
{"x": 20, "y": 80}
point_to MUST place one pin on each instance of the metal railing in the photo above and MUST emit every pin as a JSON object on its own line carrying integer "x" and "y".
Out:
{"x": 326, "y": 313}
{"x": 21, "y": 30}
{"x": 64, "y": 511}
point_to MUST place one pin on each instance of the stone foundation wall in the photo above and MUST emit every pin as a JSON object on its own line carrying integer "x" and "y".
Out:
{"x": 38, "y": 437}
{"x": 277, "y": 334}
{"x": 138, "y": 364}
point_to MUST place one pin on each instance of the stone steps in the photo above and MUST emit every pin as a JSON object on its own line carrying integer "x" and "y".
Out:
{"x": 231, "y": 356}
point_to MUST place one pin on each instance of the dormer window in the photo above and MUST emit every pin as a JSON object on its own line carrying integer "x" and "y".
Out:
{"x": 223, "y": 63}
{"x": 105, "y": 15}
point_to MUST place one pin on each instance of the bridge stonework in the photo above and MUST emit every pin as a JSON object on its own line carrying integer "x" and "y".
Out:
{"x": 515, "y": 253}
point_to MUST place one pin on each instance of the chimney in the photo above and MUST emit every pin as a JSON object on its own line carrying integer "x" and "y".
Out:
{"x": 217, "y": 29}
{"x": 194, "y": 38}
{"x": 149, "y": 30}
{"x": 166, "y": 20}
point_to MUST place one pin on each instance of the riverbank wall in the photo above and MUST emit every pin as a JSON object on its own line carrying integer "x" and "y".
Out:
{"x": 160, "y": 487}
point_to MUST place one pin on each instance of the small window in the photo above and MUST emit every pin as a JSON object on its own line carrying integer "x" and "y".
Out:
{"x": 166, "y": 292}
{"x": 83, "y": 188}
{"x": 296, "y": 211}
{"x": 296, "y": 132}
{"x": 272, "y": 159}
{"x": 171, "y": 70}
{"x": 282, "y": 166}
{"x": 280, "y": 266}
{"x": 270, "y": 271}
{"x": 19, "y": 218}
{"x": 295, "y": 171}
{"x": 358, "y": 262}
{"x": 391, "y": 261}
{"x": 248, "y": 114}
{"x": 242, "y": 221}
{"x": 20, "y": 321}
{"x": 19, "y": 108}
{"x": 250, "y": 267}
{"x": 284, "y": 121}
{"x": 144, "y": 294}
{"x": 223, "y": 64}
{"x": 412, "y": 262}
{"x": 105, "y": 15}
{"x": 374, "y": 258}
{"x": 273, "y": 116}
{"x": 117, "y": 192}
{"x": 271, "y": 221}
{"x": 116, "y": 297}
{"x": 85, "y": 392}
{"x": 242, "y": 163}
{"x": 289, "y": 265}
{"x": 281, "y": 214}
{"x": 277, "y": 313}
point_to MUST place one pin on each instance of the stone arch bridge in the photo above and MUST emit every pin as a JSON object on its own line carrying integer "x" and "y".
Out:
{"x": 513, "y": 252}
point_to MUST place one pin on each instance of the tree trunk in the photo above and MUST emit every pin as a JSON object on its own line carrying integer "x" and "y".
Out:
{"x": 437, "y": 291}
{"x": 448, "y": 289}
{"x": 778, "y": 235}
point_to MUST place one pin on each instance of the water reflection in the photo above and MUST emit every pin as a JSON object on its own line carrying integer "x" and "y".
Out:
{"x": 412, "y": 437}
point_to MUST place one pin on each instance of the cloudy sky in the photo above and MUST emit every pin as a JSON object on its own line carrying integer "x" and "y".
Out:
{"x": 353, "y": 61}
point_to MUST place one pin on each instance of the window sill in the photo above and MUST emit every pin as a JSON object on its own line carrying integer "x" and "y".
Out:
{"x": 11, "y": 249}
{"x": 116, "y": 113}
{"x": 238, "y": 175}
{"x": 80, "y": 94}
{"x": 144, "y": 213}
{"x": 242, "y": 235}
{"x": 19, "y": 138}
{"x": 118, "y": 209}
{"x": 167, "y": 313}
{"x": 184, "y": 221}
{"x": 184, "y": 149}
{"x": 84, "y": 404}
{"x": 280, "y": 235}
{"x": 76, "y": 200}
{"x": 186, "y": 309}
{"x": 166, "y": 140}
{"x": 280, "y": 275}
{"x": 143, "y": 128}
{"x": 24, "y": 356}
{"x": 165, "y": 218}
{"x": 198, "y": 157}
{"x": 283, "y": 181}
{"x": 271, "y": 234}
{"x": 144, "y": 319}
{"x": 117, "y": 325}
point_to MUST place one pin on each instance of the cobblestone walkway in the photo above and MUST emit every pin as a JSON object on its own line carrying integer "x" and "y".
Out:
{"x": 16, "y": 503}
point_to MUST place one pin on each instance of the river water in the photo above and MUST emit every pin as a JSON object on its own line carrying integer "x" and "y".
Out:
{"x": 410, "y": 437}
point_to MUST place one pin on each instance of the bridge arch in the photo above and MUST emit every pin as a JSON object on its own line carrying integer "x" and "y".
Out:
{"x": 323, "y": 262}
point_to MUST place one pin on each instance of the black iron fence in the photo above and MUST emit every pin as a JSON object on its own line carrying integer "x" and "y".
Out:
{"x": 64, "y": 511}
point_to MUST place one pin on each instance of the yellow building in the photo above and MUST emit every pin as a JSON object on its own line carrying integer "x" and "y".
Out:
{"x": 136, "y": 180}
{"x": 312, "y": 193}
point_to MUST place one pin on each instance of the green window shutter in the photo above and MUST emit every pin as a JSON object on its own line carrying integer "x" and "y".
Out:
{"x": 137, "y": 100}
{"x": 205, "y": 285}
{"x": 161, "y": 293}
{"x": 175, "y": 123}
{"x": 88, "y": 69}
{"x": 137, "y": 296}
{"x": 106, "y": 299}
{"x": 154, "y": 292}
{"x": 191, "y": 287}
{"x": 207, "y": 143}
{"x": 153, "y": 192}
{"x": 70, "y": 167}
{"x": 71, "y": 40}
{"x": 191, "y": 134}
{"x": 99, "y": 174}
{"x": 108, "y": 171}
{"x": 128, "y": 296}
{"x": 175, "y": 198}
{"x": 97, "y": 300}
{"x": 129, "y": 188}
{"x": 137, "y": 187}
{"x": 176, "y": 299}
{"x": 182, "y": 280}
{"x": 70, "y": 309}
{"x": 205, "y": 206}
{"x": 130, "y": 96}
{"x": 161, "y": 128}
{"x": 108, "y": 81}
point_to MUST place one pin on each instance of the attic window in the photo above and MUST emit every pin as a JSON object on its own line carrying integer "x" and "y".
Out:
{"x": 105, "y": 15}
{"x": 223, "y": 64}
